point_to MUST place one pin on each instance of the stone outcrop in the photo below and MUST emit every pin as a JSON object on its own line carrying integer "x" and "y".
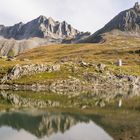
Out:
{"x": 108, "y": 80}
{"x": 18, "y": 71}
{"x": 66, "y": 86}
{"x": 71, "y": 85}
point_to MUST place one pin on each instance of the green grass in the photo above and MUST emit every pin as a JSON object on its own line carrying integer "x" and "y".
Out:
{"x": 44, "y": 77}
{"x": 128, "y": 70}
{"x": 43, "y": 96}
{"x": 38, "y": 78}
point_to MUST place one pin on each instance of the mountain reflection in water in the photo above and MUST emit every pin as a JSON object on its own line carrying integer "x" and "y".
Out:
{"x": 50, "y": 126}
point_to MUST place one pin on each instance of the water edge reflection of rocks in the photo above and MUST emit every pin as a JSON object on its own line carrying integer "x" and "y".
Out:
{"x": 120, "y": 123}
{"x": 50, "y": 126}
{"x": 85, "y": 99}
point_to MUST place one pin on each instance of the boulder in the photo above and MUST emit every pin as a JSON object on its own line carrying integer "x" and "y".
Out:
{"x": 101, "y": 67}
{"x": 83, "y": 64}
{"x": 56, "y": 67}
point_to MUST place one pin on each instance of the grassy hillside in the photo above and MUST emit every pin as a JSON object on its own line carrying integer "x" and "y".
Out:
{"x": 127, "y": 49}
{"x": 114, "y": 49}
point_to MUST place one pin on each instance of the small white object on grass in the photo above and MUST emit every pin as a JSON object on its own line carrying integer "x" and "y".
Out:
{"x": 120, "y": 62}
{"x": 120, "y": 103}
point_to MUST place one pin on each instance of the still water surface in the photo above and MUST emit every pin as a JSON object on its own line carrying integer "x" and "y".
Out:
{"x": 32, "y": 125}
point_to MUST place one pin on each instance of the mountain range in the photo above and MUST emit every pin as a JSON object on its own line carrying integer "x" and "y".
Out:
{"x": 41, "y": 27}
{"x": 43, "y": 31}
{"x": 40, "y": 31}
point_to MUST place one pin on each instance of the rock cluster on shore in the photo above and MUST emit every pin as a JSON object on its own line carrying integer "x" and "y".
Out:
{"x": 102, "y": 85}
{"x": 18, "y": 71}
{"x": 100, "y": 79}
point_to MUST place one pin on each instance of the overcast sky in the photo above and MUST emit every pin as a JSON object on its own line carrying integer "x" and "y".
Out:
{"x": 85, "y": 15}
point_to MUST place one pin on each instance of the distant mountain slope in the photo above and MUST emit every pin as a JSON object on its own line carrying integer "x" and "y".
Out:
{"x": 41, "y": 27}
{"x": 12, "y": 47}
{"x": 125, "y": 23}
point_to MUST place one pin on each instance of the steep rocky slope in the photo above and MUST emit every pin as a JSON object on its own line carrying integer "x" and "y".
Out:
{"x": 125, "y": 23}
{"x": 12, "y": 47}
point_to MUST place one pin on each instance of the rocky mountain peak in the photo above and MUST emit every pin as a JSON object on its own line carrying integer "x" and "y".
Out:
{"x": 137, "y": 7}
{"x": 1, "y": 27}
{"x": 41, "y": 27}
{"x": 19, "y": 25}
{"x": 50, "y": 19}
{"x": 37, "y": 32}
{"x": 125, "y": 23}
{"x": 41, "y": 19}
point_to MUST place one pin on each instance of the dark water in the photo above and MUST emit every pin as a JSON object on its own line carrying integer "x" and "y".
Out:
{"x": 32, "y": 125}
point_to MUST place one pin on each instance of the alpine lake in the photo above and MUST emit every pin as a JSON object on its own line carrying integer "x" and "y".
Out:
{"x": 111, "y": 122}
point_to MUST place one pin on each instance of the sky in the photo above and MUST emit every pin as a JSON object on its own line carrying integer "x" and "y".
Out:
{"x": 84, "y": 15}
{"x": 79, "y": 131}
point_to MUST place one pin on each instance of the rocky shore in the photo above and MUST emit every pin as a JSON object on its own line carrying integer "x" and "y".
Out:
{"x": 102, "y": 85}
{"x": 18, "y": 71}
{"x": 101, "y": 78}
